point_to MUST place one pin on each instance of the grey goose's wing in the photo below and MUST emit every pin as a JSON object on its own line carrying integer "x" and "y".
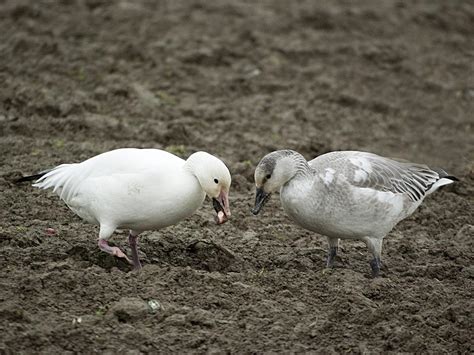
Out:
{"x": 383, "y": 174}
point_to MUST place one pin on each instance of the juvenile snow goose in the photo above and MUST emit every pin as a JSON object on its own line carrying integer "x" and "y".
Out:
{"x": 138, "y": 190}
{"x": 346, "y": 194}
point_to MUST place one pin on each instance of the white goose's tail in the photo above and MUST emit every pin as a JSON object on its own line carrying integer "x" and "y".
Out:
{"x": 33, "y": 177}
{"x": 62, "y": 179}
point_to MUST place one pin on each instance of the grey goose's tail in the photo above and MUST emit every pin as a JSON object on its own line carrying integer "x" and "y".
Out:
{"x": 444, "y": 175}
{"x": 443, "y": 179}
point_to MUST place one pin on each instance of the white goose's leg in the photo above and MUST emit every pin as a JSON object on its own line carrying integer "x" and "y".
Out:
{"x": 332, "y": 251}
{"x": 104, "y": 234}
{"x": 375, "y": 247}
{"x": 133, "y": 241}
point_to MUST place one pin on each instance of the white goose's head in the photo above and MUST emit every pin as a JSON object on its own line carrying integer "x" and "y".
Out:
{"x": 215, "y": 181}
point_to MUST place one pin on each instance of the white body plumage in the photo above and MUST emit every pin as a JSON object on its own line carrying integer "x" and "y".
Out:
{"x": 138, "y": 189}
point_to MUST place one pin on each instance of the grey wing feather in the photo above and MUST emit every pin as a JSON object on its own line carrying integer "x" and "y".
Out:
{"x": 413, "y": 180}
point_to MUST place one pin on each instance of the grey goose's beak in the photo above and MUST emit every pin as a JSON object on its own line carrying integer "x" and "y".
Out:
{"x": 261, "y": 197}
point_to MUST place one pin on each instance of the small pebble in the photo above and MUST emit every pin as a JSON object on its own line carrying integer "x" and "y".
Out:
{"x": 154, "y": 306}
{"x": 50, "y": 231}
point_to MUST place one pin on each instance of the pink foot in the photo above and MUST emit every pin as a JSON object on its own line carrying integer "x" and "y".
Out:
{"x": 104, "y": 246}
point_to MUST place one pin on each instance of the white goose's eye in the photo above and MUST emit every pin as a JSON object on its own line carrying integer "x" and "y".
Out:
{"x": 216, "y": 181}
{"x": 268, "y": 176}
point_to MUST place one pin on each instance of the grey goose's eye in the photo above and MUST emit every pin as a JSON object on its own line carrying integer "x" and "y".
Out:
{"x": 216, "y": 181}
{"x": 268, "y": 176}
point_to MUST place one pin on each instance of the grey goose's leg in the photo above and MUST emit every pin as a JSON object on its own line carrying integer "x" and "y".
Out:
{"x": 375, "y": 266}
{"x": 375, "y": 247}
{"x": 332, "y": 251}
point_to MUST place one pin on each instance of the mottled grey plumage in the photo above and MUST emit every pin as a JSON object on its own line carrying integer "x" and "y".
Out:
{"x": 347, "y": 194}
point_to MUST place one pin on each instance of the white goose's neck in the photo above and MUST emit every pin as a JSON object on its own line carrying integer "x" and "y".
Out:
{"x": 192, "y": 168}
{"x": 189, "y": 167}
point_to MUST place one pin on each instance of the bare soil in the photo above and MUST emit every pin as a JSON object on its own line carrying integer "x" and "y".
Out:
{"x": 237, "y": 79}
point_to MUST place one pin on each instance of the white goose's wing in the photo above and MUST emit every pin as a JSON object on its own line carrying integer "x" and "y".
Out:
{"x": 66, "y": 179}
{"x": 413, "y": 180}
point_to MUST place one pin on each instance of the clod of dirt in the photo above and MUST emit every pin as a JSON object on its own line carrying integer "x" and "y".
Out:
{"x": 210, "y": 256}
{"x": 145, "y": 96}
{"x": 465, "y": 233}
{"x": 86, "y": 320}
{"x": 201, "y": 317}
{"x": 129, "y": 309}
{"x": 468, "y": 271}
{"x": 14, "y": 314}
{"x": 102, "y": 122}
{"x": 98, "y": 257}
{"x": 245, "y": 169}
{"x": 240, "y": 182}
{"x": 27, "y": 240}
{"x": 377, "y": 288}
{"x": 175, "y": 319}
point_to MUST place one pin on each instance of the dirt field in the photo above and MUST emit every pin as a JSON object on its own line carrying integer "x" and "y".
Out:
{"x": 238, "y": 80}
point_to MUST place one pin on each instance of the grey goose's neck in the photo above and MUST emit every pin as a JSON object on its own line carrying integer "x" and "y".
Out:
{"x": 301, "y": 166}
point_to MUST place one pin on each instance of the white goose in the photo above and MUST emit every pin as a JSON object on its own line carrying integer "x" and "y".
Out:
{"x": 138, "y": 189}
{"x": 347, "y": 194}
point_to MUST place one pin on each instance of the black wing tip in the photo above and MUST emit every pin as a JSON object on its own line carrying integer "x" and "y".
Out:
{"x": 451, "y": 177}
{"x": 28, "y": 178}
{"x": 444, "y": 175}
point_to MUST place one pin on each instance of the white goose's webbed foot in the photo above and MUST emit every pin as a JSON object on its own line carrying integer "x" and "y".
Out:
{"x": 133, "y": 241}
{"x": 115, "y": 251}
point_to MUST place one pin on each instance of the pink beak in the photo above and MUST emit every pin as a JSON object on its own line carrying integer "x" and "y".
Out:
{"x": 221, "y": 205}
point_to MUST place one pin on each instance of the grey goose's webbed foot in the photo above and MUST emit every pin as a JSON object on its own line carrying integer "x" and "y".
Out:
{"x": 375, "y": 265}
{"x": 133, "y": 241}
{"x": 331, "y": 255}
{"x": 332, "y": 251}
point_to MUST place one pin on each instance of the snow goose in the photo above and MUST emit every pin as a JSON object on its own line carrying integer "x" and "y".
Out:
{"x": 138, "y": 190}
{"x": 346, "y": 194}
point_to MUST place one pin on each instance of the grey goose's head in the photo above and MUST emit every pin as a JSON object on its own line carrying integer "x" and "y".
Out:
{"x": 274, "y": 170}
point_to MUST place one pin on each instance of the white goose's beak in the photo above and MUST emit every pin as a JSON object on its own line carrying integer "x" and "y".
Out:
{"x": 221, "y": 205}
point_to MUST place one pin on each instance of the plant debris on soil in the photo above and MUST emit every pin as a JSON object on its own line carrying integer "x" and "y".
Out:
{"x": 237, "y": 79}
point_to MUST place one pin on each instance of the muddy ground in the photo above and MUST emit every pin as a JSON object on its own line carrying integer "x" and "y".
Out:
{"x": 239, "y": 80}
